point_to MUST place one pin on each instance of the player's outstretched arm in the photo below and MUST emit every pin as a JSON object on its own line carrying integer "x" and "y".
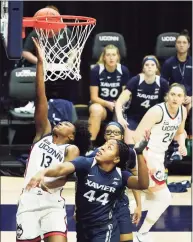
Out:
{"x": 137, "y": 195}
{"x": 47, "y": 186}
{"x": 41, "y": 106}
{"x": 152, "y": 116}
{"x": 56, "y": 171}
{"x": 181, "y": 135}
{"x": 123, "y": 98}
{"x": 72, "y": 152}
{"x": 137, "y": 212}
{"x": 142, "y": 182}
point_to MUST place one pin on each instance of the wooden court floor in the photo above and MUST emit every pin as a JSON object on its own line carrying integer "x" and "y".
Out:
{"x": 175, "y": 225}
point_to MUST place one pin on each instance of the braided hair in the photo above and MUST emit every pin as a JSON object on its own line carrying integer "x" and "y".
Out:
{"x": 123, "y": 154}
{"x": 82, "y": 136}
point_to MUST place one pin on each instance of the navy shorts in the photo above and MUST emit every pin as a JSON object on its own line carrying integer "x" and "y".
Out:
{"x": 133, "y": 123}
{"x": 108, "y": 232}
{"x": 123, "y": 216}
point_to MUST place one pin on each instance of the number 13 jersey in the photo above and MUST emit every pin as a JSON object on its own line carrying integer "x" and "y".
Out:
{"x": 163, "y": 132}
{"x": 44, "y": 153}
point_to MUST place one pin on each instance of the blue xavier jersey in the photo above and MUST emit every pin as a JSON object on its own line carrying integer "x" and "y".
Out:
{"x": 180, "y": 72}
{"x": 110, "y": 83}
{"x": 145, "y": 96}
{"x": 97, "y": 191}
{"x": 132, "y": 158}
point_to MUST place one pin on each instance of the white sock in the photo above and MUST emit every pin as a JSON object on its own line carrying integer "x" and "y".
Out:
{"x": 159, "y": 202}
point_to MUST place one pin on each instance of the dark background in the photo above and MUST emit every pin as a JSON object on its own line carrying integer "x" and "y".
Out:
{"x": 139, "y": 22}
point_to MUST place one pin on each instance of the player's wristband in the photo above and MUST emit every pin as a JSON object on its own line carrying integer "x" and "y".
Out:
{"x": 140, "y": 146}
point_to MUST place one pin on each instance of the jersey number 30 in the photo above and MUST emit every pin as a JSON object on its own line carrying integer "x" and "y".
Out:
{"x": 106, "y": 92}
{"x": 103, "y": 199}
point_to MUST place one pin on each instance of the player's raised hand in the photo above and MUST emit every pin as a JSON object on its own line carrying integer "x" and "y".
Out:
{"x": 38, "y": 49}
{"x": 140, "y": 146}
{"x": 182, "y": 150}
{"x": 187, "y": 100}
{"x": 35, "y": 181}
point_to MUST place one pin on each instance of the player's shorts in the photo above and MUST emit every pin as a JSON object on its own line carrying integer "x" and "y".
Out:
{"x": 40, "y": 214}
{"x": 155, "y": 164}
{"x": 104, "y": 233}
{"x": 123, "y": 216}
{"x": 133, "y": 123}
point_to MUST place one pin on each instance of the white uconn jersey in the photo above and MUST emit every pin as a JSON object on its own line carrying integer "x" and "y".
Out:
{"x": 44, "y": 153}
{"x": 163, "y": 132}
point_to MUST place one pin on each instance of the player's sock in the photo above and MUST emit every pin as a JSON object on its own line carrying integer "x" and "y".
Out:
{"x": 158, "y": 204}
{"x": 140, "y": 237}
{"x": 145, "y": 237}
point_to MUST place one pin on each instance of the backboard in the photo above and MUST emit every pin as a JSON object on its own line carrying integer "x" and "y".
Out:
{"x": 11, "y": 27}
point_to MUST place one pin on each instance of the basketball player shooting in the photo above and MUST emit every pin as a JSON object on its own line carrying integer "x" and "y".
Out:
{"x": 46, "y": 212}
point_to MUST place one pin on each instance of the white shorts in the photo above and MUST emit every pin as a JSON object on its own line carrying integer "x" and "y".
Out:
{"x": 40, "y": 214}
{"x": 155, "y": 165}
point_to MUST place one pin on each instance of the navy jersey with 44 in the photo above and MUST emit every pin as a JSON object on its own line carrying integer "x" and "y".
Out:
{"x": 97, "y": 191}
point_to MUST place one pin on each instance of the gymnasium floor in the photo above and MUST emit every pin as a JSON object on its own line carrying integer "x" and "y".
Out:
{"x": 175, "y": 225}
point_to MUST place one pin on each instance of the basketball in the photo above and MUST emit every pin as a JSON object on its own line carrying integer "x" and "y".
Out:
{"x": 44, "y": 12}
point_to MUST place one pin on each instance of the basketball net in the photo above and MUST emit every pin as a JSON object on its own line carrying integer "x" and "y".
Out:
{"x": 4, "y": 21}
{"x": 63, "y": 61}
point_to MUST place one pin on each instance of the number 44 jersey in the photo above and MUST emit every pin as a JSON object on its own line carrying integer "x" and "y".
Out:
{"x": 97, "y": 191}
{"x": 44, "y": 153}
{"x": 163, "y": 132}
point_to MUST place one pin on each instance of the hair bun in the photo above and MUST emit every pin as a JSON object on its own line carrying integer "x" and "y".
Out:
{"x": 184, "y": 32}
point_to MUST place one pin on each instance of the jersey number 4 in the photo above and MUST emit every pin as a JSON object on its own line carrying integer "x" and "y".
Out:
{"x": 146, "y": 104}
{"x": 46, "y": 160}
{"x": 103, "y": 199}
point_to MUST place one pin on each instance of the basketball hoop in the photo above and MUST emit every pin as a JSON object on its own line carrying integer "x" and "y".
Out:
{"x": 61, "y": 60}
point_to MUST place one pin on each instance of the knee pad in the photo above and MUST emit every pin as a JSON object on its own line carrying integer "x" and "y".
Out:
{"x": 158, "y": 202}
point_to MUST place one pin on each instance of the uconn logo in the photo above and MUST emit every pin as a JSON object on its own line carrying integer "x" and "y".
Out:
{"x": 25, "y": 73}
{"x": 108, "y": 38}
{"x": 168, "y": 38}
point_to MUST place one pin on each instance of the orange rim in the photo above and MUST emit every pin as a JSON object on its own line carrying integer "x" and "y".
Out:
{"x": 50, "y": 22}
